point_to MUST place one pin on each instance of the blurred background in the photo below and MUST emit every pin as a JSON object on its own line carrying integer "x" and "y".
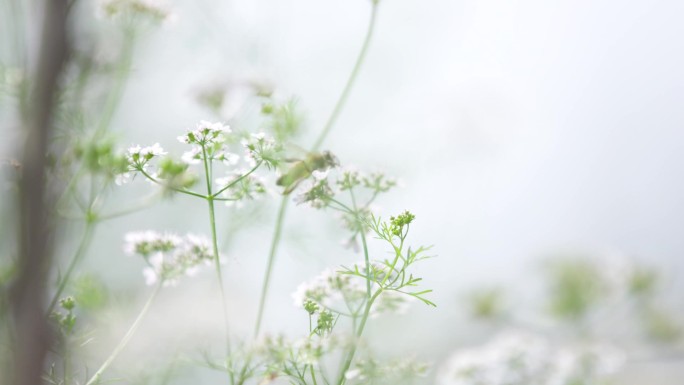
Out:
{"x": 536, "y": 142}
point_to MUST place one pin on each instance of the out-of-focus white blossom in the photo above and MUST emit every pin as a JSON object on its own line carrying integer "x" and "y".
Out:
{"x": 527, "y": 359}
{"x": 332, "y": 289}
{"x": 370, "y": 371}
{"x": 248, "y": 187}
{"x": 122, "y": 178}
{"x": 261, "y": 148}
{"x": 316, "y": 193}
{"x": 151, "y": 9}
{"x": 168, "y": 256}
{"x": 194, "y": 156}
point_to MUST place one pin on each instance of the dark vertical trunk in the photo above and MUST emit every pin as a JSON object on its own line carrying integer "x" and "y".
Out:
{"x": 32, "y": 335}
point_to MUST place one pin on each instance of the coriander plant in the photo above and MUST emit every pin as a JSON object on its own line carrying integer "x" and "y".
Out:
{"x": 87, "y": 171}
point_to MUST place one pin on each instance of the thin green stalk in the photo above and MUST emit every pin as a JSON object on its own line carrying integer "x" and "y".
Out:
{"x": 145, "y": 203}
{"x": 127, "y": 337}
{"x": 75, "y": 260}
{"x": 234, "y": 182}
{"x": 313, "y": 375}
{"x": 362, "y": 233}
{"x": 350, "y": 82}
{"x": 217, "y": 263}
{"x": 67, "y": 361}
{"x": 359, "y": 332}
{"x": 367, "y": 259}
{"x": 269, "y": 266}
{"x": 153, "y": 179}
{"x": 119, "y": 84}
{"x": 214, "y": 241}
{"x": 339, "y": 106}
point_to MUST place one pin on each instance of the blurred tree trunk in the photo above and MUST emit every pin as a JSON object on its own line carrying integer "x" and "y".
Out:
{"x": 32, "y": 333}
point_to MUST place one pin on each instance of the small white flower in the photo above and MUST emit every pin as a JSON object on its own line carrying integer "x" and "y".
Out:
{"x": 192, "y": 156}
{"x": 135, "y": 149}
{"x": 154, "y": 150}
{"x": 122, "y": 178}
{"x": 260, "y": 148}
{"x": 206, "y": 133}
{"x": 353, "y": 373}
{"x": 168, "y": 256}
{"x": 152, "y": 9}
{"x": 229, "y": 159}
{"x": 320, "y": 175}
{"x": 523, "y": 358}
{"x": 150, "y": 276}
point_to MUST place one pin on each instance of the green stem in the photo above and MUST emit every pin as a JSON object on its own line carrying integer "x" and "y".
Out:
{"x": 359, "y": 332}
{"x": 119, "y": 84}
{"x": 145, "y": 203}
{"x": 214, "y": 241}
{"x": 234, "y": 182}
{"x": 319, "y": 141}
{"x": 75, "y": 260}
{"x": 127, "y": 337}
{"x": 67, "y": 361}
{"x": 313, "y": 375}
{"x": 153, "y": 179}
{"x": 362, "y": 233}
{"x": 269, "y": 266}
{"x": 350, "y": 82}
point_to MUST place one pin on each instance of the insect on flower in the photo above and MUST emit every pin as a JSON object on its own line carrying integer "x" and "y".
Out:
{"x": 302, "y": 169}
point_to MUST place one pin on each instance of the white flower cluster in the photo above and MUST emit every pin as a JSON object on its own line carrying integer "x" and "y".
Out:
{"x": 141, "y": 155}
{"x": 317, "y": 193}
{"x": 206, "y": 133}
{"x": 527, "y": 359}
{"x": 367, "y": 371}
{"x": 319, "y": 190}
{"x": 261, "y": 148}
{"x": 138, "y": 160}
{"x": 152, "y": 9}
{"x": 210, "y": 138}
{"x": 332, "y": 289}
{"x": 168, "y": 256}
{"x": 302, "y": 351}
{"x": 246, "y": 188}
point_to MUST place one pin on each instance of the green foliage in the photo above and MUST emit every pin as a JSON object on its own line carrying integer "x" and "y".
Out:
{"x": 486, "y": 303}
{"x": 285, "y": 119}
{"x": 575, "y": 286}
{"x": 643, "y": 282}
{"x": 90, "y": 293}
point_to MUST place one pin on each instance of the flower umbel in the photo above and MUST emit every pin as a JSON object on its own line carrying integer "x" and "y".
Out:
{"x": 169, "y": 256}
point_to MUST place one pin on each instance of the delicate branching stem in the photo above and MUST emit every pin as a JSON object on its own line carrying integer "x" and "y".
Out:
{"x": 145, "y": 203}
{"x": 214, "y": 242}
{"x": 75, "y": 260}
{"x": 369, "y": 304}
{"x": 269, "y": 265}
{"x": 69, "y": 189}
{"x": 127, "y": 337}
{"x": 153, "y": 179}
{"x": 339, "y": 106}
{"x": 238, "y": 179}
